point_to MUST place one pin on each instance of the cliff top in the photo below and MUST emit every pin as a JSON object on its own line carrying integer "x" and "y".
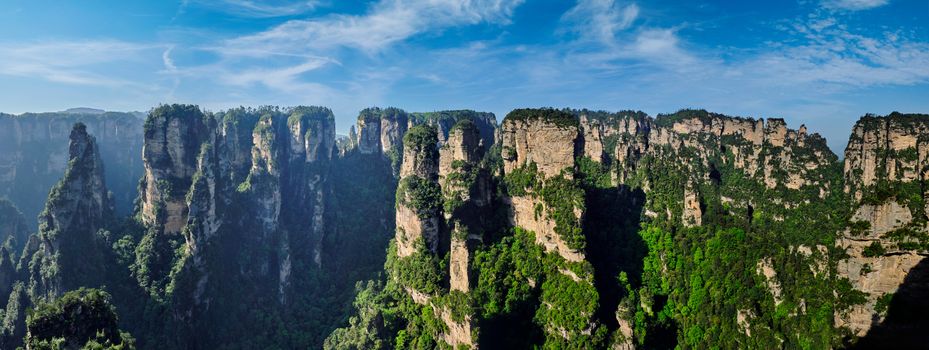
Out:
{"x": 454, "y": 115}
{"x": 420, "y": 137}
{"x": 869, "y": 121}
{"x": 377, "y": 113}
{"x": 558, "y": 117}
{"x": 608, "y": 117}
{"x": 667, "y": 120}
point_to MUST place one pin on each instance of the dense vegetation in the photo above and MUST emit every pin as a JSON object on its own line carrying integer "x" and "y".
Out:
{"x": 83, "y": 318}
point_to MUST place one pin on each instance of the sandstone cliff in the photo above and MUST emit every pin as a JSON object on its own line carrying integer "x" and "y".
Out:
{"x": 544, "y": 142}
{"x": 886, "y": 169}
{"x": 244, "y": 193}
{"x": 419, "y": 195}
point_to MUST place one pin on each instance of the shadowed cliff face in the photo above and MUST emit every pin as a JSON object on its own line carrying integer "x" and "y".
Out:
{"x": 13, "y": 224}
{"x": 904, "y": 323}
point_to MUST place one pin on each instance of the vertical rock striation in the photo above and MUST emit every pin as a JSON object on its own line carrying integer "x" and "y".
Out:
{"x": 542, "y": 144}
{"x": 244, "y": 193}
{"x": 886, "y": 173}
{"x": 418, "y": 195}
{"x": 65, "y": 254}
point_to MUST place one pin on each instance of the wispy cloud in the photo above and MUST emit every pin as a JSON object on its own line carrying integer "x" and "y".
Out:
{"x": 600, "y": 19}
{"x": 853, "y": 5}
{"x": 386, "y": 23}
{"x": 829, "y": 52}
{"x": 79, "y": 63}
{"x": 255, "y": 9}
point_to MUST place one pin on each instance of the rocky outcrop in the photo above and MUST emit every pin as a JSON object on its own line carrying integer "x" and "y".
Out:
{"x": 543, "y": 144}
{"x": 419, "y": 193}
{"x": 77, "y": 207}
{"x": 380, "y": 131}
{"x": 549, "y": 142}
{"x": 459, "y": 333}
{"x": 34, "y": 156}
{"x": 173, "y": 136}
{"x": 466, "y": 194}
{"x": 244, "y": 192}
{"x": 446, "y": 121}
{"x": 886, "y": 167}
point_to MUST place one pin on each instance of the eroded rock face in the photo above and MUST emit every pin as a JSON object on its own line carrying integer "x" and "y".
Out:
{"x": 411, "y": 227}
{"x": 459, "y": 265}
{"x": 550, "y": 146}
{"x": 173, "y": 136}
{"x": 369, "y": 134}
{"x": 525, "y": 216}
{"x": 459, "y": 332}
{"x": 547, "y": 142}
{"x": 418, "y": 212}
{"x": 77, "y": 207}
{"x": 885, "y": 169}
{"x": 876, "y": 276}
{"x": 693, "y": 214}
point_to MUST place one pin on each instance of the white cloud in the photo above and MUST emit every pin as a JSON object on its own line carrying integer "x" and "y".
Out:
{"x": 832, "y": 54}
{"x": 79, "y": 63}
{"x": 386, "y": 23}
{"x": 167, "y": 61}
{"x": 256, "y": 9}
{"x": 281, "y": 78}
{"x": 853, "y": 5}
{"x": 600, "y": 19}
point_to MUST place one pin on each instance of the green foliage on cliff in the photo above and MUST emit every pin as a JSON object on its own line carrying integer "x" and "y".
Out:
{"x": 563, "y": 199}
{"x": 374, "y": 114}
{"x": 84, "y": 318}
{"x": 557, "y": 117}
{"x": 422, "y": 271}
{"x": 515, "y": 276}
{"x": 155, "y": 259}
{"x": 422, "y": 138}
{"x": 421, "y": 195}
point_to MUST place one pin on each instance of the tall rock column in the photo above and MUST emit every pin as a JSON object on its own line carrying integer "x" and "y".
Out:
{"x": 77, "y": 207}
{"x": 466, "y": 193}
{"x": 539, "y": 148}
{"x": 419, "y": 197}
{"x": 173, "y": 135}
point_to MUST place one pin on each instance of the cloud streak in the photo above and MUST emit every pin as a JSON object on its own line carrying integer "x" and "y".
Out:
{"x": 853, "y": 5}
{"x": 255, "y": 9}
{"x": 77, "y": 63}
{"x": 386, "y": 23}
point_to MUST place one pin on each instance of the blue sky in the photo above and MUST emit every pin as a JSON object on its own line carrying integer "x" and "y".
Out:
{"x": 822, "y": 63}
